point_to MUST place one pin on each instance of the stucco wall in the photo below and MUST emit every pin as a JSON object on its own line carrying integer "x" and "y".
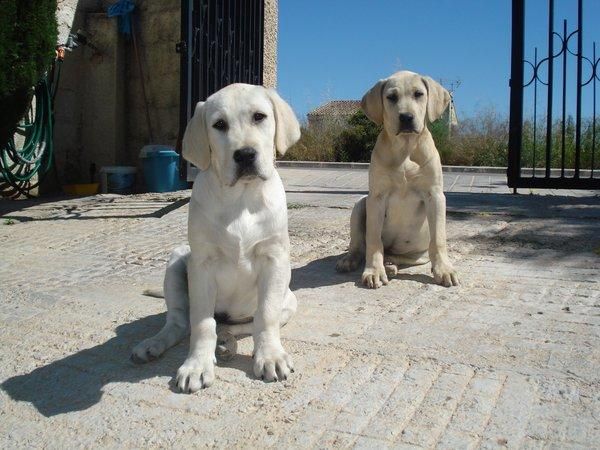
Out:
{"x": 100, "y": 111}
{"x": 158, "y": 32}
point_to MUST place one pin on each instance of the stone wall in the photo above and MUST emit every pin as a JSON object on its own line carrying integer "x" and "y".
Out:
{"x": 100, "y": 108}
{"x": 270, "y": 44}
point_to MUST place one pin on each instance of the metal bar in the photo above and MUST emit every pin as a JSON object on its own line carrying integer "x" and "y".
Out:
{"x": 249, "y": 37}
{"x": 550, "y": 85}
{"x": 205, "y": 62}
{"x": 515, "y": 138}
{"x": 595, "y": 75}
{"x": 184, "y": 80}
{"x": 233, "y": 40}
{"x": 535, "y": 82}
{"x": 250, "y": 66}
{"x": 212, "y": 87}
{"x": 579, "y": 80}
{"x": 218, "y": 48}
{"x": 230, "y": 20}
{"x": 240, "y": 37}
{"x": 564, "y": 99}
{"x": 256, "y": 41}
{"x": 261, "y": 52}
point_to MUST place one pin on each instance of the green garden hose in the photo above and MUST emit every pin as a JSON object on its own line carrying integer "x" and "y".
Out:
{"x": 22, "y": 168}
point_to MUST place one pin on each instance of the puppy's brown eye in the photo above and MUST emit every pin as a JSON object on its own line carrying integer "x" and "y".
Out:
{"x": 418, "y": 94}
{"x": 259, "y": 117}
{"x": 392, "y": 98}
{"x": 220, "y": 125}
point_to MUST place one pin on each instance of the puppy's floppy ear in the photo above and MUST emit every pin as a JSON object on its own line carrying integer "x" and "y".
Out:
{"x": 196, "y": 147}
{"x": 372, "y": 102}
{"x": 438, "y": 99}
{"x": 287, "y": 128}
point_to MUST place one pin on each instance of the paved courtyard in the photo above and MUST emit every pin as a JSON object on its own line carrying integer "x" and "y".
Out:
{"x": 511, "y": 358}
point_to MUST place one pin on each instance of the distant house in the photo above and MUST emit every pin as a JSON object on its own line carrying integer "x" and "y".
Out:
{"x": 334, "y": 112}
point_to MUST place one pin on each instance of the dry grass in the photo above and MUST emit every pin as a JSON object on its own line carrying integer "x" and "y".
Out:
{"x": 481, "y": 140}
{"x": 316, "y": 144}
{"x": 478, "y": 141}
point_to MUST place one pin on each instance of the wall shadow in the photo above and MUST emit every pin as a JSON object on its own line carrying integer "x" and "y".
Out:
{"x": 531, "y": 206}
{"x": 100, "y": 208}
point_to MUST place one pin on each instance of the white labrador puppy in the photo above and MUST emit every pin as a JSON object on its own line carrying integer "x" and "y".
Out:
{"x": 237, "y": 267}
{"x": 403, "y": 219}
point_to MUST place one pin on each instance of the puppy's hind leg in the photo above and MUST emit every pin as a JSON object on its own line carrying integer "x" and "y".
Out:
{"x": 177, "y": 299}
{"x": 358, "y": 227}
{"x": 391, "y": 262}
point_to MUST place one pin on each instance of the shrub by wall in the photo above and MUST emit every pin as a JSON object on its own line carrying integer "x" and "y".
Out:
{"x": 28, "y": 33}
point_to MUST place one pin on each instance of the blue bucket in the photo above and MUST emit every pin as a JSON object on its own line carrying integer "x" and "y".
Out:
{"x": 161, "y": 169}
{"x": 117, "y": 179}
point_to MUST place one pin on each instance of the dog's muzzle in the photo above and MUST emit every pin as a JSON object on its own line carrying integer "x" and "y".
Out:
{"x": 406, "y": 123}
{"x": 245, "y": 159}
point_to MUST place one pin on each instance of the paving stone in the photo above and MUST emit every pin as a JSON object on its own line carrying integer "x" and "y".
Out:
{"x": 509, "y": 359}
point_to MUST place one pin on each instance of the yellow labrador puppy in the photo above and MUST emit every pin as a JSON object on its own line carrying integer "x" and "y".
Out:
{"x": 403, "y": 219}
{"x": 236, "y": 270}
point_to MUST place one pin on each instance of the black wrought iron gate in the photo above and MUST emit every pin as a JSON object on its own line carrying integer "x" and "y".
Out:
{"x": 555, "y": 143}
{"x": 222, "y": 42}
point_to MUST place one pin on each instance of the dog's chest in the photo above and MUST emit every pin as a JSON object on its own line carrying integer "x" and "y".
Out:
{"x": 405, "y": 179}
{"x": 242, "y": 234}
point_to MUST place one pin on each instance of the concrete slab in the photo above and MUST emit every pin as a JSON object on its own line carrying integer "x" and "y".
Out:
{"x": 508, "y": 359}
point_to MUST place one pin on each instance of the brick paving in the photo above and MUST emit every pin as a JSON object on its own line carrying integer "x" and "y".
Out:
{"x": 511, "y": 358}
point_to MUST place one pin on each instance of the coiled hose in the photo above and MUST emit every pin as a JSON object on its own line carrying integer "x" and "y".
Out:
{"x": 22, "y": 168}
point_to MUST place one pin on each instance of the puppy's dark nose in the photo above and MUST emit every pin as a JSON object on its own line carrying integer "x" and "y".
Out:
{"x": 244, "y": 156}
{"x": 406, "y": 118}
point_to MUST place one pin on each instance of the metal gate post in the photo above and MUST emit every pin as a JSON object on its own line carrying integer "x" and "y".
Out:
{"x": 516, "y": 92}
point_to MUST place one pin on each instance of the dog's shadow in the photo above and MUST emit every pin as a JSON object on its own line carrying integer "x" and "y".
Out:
{"x": 77, "y": 382}
{"x": 321, "y": 272}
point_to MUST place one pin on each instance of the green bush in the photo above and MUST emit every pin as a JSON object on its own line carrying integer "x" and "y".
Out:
{"x": 356, "y": 143}
{"x": 28, "y": 33}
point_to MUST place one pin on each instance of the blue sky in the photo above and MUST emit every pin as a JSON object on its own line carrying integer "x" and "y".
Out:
{"x": 337, "y": 49}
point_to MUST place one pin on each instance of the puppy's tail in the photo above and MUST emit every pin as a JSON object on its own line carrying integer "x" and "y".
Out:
{"x": 154, "y": 292}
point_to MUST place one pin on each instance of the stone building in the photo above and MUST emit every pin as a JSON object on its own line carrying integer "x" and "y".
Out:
{"x": 332, "y": 113}
{"x": 100, "y": 110}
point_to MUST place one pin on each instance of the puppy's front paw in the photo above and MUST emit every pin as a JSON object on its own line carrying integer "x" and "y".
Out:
{"x": 444, "y": 273}
{"x": 272, "y": 363}
{"x": 374, "y": 277}
{"x": 196, "y": 372}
